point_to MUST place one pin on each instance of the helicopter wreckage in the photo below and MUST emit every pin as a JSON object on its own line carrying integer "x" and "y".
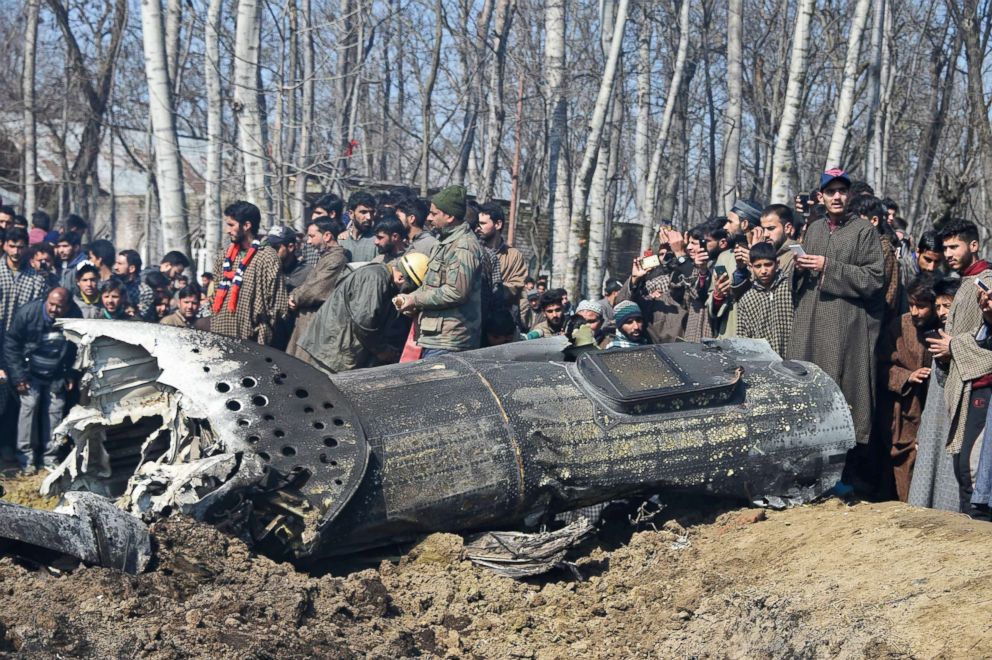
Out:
{"x": 305, "y": 466}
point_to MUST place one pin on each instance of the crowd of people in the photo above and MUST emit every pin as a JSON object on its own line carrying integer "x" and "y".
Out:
{"x": 903, "y": 326}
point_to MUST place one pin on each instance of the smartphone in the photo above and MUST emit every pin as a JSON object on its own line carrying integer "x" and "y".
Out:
{"x": 720, "y": 271}
{"x": 983, "y": 286}
{"x": 804, "y": 201}
{"x": 797, "y": 250}
{"x": 932, "y": 334}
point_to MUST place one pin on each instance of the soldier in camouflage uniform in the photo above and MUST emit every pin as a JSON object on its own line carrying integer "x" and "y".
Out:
{"x": 450, "y": 300}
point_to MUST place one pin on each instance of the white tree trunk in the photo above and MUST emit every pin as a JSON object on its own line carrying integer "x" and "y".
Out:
{"x": 733, "y": 112}
{"x": 173, "y": 26}
{"x": 168, "y": 162}
{"x": 583, "y": 177}
{"x": 783, "y": 160}
{"x": 30, "y": 201}
{"x": 558, "y": 188}
{"x": 598, "y": 190}
{"x": 845, "y": 104}
{"x": 873, "y": 155}
{"x": 651, "y": 192}
{"x": 303, "y": 152}
{"x": 212, "y": 224}
{"x": 247, "y": 97}
{"x": 497, "y": 114}
{"x": 642, "y": 127}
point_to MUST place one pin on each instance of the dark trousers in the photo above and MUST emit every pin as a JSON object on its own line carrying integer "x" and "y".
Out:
{"x": 974, "y": 424}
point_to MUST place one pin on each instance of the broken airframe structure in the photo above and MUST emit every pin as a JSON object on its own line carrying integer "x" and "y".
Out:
{"x": 304, "y": 466}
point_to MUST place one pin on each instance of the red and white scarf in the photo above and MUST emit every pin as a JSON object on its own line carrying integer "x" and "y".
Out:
{"x": 231, "y": 278}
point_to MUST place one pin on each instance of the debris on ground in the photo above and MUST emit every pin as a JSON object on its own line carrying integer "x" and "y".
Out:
{"x": 811, "y": 581}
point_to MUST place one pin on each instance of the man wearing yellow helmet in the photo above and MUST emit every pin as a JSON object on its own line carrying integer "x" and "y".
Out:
{"x": 359, "y": 325}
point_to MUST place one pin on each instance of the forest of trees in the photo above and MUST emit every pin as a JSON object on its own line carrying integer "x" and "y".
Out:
{"x": 585, "y": 114}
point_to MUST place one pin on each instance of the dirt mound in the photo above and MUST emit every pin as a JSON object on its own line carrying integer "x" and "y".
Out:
{"x": 881, "y": 580}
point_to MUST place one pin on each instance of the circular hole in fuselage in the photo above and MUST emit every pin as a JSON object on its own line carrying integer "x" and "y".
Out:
{"x": 319, "y": 426}
{"x": 234, "y": 405}
{"x": 264, "y": 456}
{"x": 288, "y": 451}
{"x": 223, "y": 387}
{"x": 248, "y": 382}
{"x": 259, "y": 400}
{"x": 301, "y": 393}
{"x": 279, "y": 433}
{"x": 244, "y": 423}
{"x": 330, "y": 442}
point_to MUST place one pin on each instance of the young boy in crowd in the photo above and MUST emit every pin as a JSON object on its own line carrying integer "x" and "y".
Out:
{"x": 903, "y": 375}
{"x": 113, "y": 300}
{"x": 765, "y": 311}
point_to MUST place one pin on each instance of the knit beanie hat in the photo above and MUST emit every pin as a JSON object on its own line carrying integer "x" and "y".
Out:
{"x": 451, "y": 200}
{"x": 589, "y": 306}
{"x": 625, "y": 311}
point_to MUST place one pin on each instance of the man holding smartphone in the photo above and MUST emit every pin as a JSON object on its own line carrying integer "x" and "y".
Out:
{"x": 969, "y": 385}
{"x": 838, "y": 283}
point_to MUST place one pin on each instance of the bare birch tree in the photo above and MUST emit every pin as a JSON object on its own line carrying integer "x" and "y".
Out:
{"x": 497, "y": 113}
{"x": 215, "y": 132}
{"x": 733, "y": 113}
{"x": 307, "y": 115}
{"x": 168, "y": 161}
{"x": 583, "y": 176}
{"x": 678, "y": 72}
{"x": 845, "y": 104}
{"x": 428, "y": 91}
{"x": 874, "y": 139}
{"x": 783, "y": 158}
{"x": 247, "y": 97}
{"x": 30, "y": 143}
{"x": 558, "y": 188}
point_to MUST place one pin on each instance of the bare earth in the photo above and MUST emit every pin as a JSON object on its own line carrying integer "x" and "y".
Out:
{"x": 872, "y": 580}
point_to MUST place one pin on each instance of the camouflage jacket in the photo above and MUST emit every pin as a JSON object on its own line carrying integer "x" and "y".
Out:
{"x": 450, "y": 299}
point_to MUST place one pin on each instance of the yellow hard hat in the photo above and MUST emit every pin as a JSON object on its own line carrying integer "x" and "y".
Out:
{"x": 414, "y": 266}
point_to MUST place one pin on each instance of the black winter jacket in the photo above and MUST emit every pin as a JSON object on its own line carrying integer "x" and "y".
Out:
{"x": 35, "y": 348}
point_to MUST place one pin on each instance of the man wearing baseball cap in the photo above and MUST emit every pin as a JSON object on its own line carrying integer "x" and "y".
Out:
{"x": 284, "y": 241}
{"x": 839, "y": 284}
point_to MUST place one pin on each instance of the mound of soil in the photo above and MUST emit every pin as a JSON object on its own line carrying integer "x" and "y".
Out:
{"x": 872, "y": 580}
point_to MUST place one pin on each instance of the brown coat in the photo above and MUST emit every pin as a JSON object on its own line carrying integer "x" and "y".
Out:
{"x": 176, "y": 320}
{"x": 901, "y": 351}
{"x": 664, "y": 316}
{"x": 512, "y": 270}
{"x": 317, "y": 288}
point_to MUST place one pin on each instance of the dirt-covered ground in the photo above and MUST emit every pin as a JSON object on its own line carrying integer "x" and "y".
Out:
{"x": 872, "y": 580}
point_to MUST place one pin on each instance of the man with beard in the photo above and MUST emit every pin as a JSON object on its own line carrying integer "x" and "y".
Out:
{"x": 322, "y": 235}
{"x": 512, "y": 265}
{"x": 740, "y": 222}
{"x": 359, "y": 240}
{"x": 127, "y": 267}
{"x": 838, "y": 288}
{"x": 630, "y": 326}
{"x": 283, "y": 240}
{"x": 18, "y": 284}
{"x": 413, "y": 213}
{"x": 554, "y": 316}
{"x": 903, "y": 374}
{"x": 389, "y": 237}
{"x": 969, "y": 365}
{"x": 359, "y": 326}
{"x": 251, "y": 293}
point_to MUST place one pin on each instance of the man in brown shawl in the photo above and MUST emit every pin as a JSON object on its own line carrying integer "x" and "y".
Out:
{"x": 838, "y": 285}
{"x": 904, "y": 373}
{"x": 307, "y": 298}
{"x": 251, "y": 295}
{"x": 654, "y": 290}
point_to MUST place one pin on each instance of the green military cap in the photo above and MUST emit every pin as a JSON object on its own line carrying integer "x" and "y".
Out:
{"x": 451, "y": 200}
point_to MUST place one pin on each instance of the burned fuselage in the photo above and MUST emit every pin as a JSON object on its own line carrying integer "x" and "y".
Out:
{"x": 307, "y": 466}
